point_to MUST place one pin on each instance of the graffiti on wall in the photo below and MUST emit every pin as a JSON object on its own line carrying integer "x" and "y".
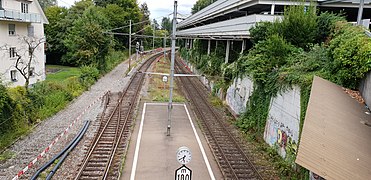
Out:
{"x": 282, "y": 127}
{"x": 279, "y": 135}
{"x": 238, "y": 94}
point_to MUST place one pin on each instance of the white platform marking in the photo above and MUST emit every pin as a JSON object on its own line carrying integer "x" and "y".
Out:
{"x": 135, "y": 161}
{"x": 136, "y": 154}
{"x": 200, "y": 145}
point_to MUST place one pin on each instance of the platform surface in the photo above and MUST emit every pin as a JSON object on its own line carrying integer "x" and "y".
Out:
{"x": 152, "y": 154}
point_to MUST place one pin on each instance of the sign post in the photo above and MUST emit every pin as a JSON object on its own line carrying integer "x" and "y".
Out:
{"x": 183, "y": 156}
{"x": 164, "y": 79}
{"x": 183, "y": 173}
{"x": 137, "y": 51}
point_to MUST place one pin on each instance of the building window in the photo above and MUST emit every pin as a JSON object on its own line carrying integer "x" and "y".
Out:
{"x": 1, "y": 4}
{"x": 13, "y": 75}
{"x": 12, "y": 52}
{"x": 30, "y": 30}
{"x": 31, "y": 72}
{"x": 24, "y": 8}
{"x": 11, "y": 29}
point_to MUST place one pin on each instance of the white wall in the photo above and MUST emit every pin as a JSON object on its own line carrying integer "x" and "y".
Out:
{"x": 366, "y": 89}
{"x": 238, "y": 94}
{"x": 282, "y": 127}
{"x": 6, "y": 63}
{"x": 283, "y": 122}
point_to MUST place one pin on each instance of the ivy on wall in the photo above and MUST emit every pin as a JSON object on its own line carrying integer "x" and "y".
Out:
{"x": 289, "y": 53}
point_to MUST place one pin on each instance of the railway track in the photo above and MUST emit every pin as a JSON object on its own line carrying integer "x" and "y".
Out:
{"x": 232, "y": 160}
{"x": 103, "y": 159}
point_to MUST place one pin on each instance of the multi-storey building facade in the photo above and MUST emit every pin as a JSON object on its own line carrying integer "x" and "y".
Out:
{"x": 21, "y": 31}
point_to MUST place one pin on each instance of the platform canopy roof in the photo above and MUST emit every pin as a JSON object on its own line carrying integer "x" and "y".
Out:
{"x": 232, "y": 19}
{"x": 335, "y": 140}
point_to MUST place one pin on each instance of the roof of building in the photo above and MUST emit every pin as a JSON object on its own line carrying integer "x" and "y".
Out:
{"x": 222, "y": 8}
{"x": 231, "y": 29}
{"x": 336, "y": 133}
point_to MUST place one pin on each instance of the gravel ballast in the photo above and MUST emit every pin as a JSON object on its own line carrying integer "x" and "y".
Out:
{"x": 30, "y": 146}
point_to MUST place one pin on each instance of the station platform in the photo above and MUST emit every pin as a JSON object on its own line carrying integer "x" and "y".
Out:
{"x": 152, "y": 154}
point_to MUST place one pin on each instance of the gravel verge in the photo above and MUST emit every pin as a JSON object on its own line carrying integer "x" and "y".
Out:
{"x": 29, "y": 147}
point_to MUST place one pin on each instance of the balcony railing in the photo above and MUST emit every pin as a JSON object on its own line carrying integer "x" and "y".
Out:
{"x": 12, "y": 15}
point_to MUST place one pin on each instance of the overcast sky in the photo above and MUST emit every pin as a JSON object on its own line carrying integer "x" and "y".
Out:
{"x": 158, "y": 8}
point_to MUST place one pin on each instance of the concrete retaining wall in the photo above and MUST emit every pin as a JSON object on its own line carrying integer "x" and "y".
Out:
{"x": 238, "y": 94}
{"x": 282, "y": 127}
{"x": 365, "y": 89}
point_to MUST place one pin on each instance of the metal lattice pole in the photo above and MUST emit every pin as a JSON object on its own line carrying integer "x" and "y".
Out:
{"x": 173, "y": 39}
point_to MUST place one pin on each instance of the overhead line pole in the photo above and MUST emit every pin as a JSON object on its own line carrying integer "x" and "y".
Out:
{"x": 164, "y": 46}
{"x": 129, "y": 44}
{"x": 173, "y": 39}
{"x": 153, "y": 40}
{"x": 360, "y": 12}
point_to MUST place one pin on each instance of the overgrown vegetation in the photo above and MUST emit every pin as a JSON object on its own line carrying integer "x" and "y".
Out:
{"x": 288, "y": 53}
{"x": 159, "y": 90}
{"x": 21, "y": 109}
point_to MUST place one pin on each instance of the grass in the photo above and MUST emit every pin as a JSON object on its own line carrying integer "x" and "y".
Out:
{"x": 61, "y": 73}
{"x": 159, "y": 90}
{"x": 8, "y": 138}
{"x": 7, "y": 155}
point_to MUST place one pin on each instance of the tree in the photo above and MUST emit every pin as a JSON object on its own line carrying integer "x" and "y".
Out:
{"x": 145, "y": 13}
{"x": 86, "y": 42}
{"x": 166, "y": 24}
{"x": 155, "y": 23}
{"x": 299, "y": 26}
{"x": 55, "y": 32}
{"x": 200, "y": 4}
{"x": 104, "y": 3}
{"x": 47, "y": 3}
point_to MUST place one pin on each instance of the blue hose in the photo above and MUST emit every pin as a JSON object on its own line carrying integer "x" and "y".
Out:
{"x": 77, "y": 138}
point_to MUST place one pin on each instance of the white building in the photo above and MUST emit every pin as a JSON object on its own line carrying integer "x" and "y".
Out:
{"x": 21, "y": 21}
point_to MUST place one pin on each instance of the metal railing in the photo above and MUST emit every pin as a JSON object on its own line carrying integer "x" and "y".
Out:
{"x": 13, "y": 15}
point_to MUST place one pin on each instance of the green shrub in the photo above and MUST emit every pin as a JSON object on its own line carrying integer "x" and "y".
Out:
{"x": 89, "y": 75}
{"x": 266, "y": 57}
{"x": 114, "y": 58}
{"x": 6, "y": 110}
{"x": 298, "y": 26}
{"x": 261, "y": 31}
{"x": 53, "y": 103}
{"x": 326, "y": 25}
{"x": 74, "y": 86}
{"x": 350, "y": 51}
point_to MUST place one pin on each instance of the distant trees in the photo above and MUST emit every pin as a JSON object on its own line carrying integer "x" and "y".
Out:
{"x": 200, "y": 4}
{"x": 55, "y": 33}
{"x": 47, "y": 3}
{"x": 166, "y": 24}
{"x": 86, "y": 42}
{"x": 78, "y": 35}
{"x": 145, "y": 13}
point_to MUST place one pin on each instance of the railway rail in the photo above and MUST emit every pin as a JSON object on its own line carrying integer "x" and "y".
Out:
{"x": 232, "y": 160}
{"x": 104, "y": 156}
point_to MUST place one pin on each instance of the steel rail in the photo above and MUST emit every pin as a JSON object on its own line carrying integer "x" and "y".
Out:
{"x": 134, "y": 84}
{"x": 218, "y": 119}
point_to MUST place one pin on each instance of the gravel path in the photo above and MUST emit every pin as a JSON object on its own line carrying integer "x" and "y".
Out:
{"x": 28, "y": 148}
